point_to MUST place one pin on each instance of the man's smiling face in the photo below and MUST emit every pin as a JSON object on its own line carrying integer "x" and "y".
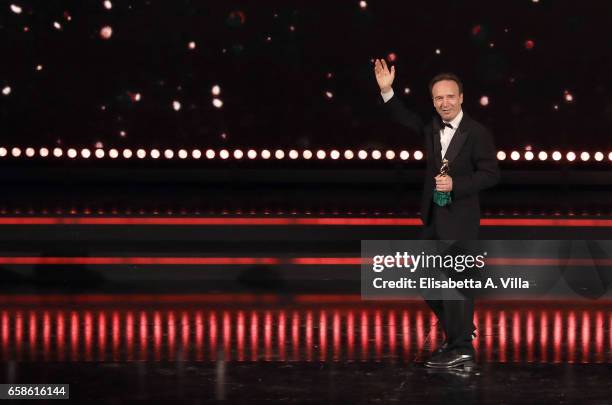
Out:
{"x": 447, "y": 99}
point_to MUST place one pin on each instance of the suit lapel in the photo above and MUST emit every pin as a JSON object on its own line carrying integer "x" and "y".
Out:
{"x": 457, "y": 141}
{"x": 437, "y": 148}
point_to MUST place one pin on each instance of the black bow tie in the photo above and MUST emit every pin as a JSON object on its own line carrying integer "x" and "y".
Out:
{"x": 446, "y": 124}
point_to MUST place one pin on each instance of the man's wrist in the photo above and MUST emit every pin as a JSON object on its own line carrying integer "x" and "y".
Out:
{"x": 386, "y": 95}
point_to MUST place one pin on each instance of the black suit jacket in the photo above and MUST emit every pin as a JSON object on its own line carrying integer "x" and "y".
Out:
{"x": 472, "y": 166}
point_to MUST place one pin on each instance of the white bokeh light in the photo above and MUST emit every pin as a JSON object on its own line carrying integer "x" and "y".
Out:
{"x": 106, "y": 32}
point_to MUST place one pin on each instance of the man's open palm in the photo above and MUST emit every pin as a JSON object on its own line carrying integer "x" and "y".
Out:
{"x": 384, "y": 76}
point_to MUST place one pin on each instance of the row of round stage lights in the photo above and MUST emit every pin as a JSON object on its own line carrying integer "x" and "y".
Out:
{"x": 223, "y": 154}
{"x": 555, "y": 156}
{"x": 279, "y": 154}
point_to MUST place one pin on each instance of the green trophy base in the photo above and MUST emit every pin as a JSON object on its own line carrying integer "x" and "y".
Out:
{"x": 442, "y": 198}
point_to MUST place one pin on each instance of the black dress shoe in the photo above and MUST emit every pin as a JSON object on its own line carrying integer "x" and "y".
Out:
{"x": 453, "y": 358}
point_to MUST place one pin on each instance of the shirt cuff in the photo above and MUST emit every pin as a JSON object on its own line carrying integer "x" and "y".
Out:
{"x": 387, "y": 96}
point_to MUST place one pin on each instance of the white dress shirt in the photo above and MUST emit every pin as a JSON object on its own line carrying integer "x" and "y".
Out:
{"x": 446, "y": 133}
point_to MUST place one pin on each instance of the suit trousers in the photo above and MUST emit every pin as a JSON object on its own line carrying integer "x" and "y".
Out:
{"x": 455, "y": 316}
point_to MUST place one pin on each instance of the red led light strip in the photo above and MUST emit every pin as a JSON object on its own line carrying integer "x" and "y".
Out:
{"x": 201, "y": 261}
{"x": 311, "y": 334}
{"x": 300, "y": 261}
{"x": 197, "y": 221}
{"x": 233, "y": 299}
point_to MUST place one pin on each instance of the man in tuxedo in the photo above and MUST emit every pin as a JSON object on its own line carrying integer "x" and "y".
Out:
{"x": 469, "y": 149}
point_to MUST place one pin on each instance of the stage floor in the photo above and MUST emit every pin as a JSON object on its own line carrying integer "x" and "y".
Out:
{"x": 302, "y": 347}
{"x": 244, "y": 308}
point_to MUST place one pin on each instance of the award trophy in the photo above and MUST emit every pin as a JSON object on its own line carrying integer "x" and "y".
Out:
{"x": 442, "y": 198}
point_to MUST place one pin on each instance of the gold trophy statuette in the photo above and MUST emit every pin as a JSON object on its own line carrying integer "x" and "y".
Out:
{"x": 442, "y": 198}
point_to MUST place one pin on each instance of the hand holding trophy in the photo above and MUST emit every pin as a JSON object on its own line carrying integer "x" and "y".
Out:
{"x": 442, "y": 198}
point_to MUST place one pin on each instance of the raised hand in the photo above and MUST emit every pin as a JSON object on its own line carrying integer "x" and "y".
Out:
{"x": 384, "y": 76}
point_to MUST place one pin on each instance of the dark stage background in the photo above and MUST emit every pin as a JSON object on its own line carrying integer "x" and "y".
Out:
{"x": 297, "y": 74}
